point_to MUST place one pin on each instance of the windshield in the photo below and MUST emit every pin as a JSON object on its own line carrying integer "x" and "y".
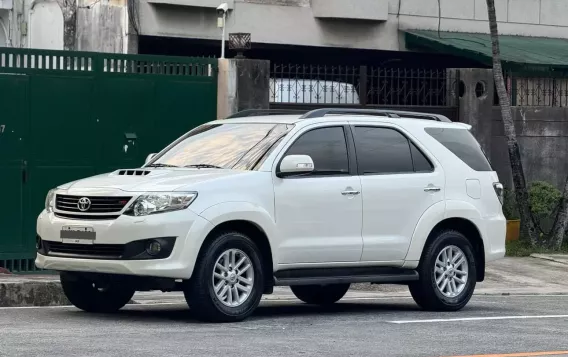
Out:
{"x": 226, "y": 146}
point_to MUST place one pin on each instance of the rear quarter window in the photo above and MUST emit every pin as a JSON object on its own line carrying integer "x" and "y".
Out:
{"x": 462, "y": 144}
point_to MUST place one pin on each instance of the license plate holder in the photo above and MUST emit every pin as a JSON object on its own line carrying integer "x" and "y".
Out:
{"x": 78, "y": 235}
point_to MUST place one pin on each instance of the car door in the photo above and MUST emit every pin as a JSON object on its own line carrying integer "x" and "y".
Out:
{"x": 399, "y": 183}
{"x": 319, "y": 215}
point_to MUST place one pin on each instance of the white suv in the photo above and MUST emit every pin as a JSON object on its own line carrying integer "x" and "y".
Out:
{"x": 315, "y": 202}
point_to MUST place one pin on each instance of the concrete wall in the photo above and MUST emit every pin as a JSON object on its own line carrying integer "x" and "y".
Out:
{"x": 294, "y": 21}
{"x": 102, "y": 27}
{"x": 45, "y": 27}
{"x": 4, "y": 28}
{"x": 31, "y": 24}
{"x": 543, "y": 137}
{"x": 242, "y": 84}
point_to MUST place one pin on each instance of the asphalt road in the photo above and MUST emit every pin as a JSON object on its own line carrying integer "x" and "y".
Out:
{"x": 513, "y": 325}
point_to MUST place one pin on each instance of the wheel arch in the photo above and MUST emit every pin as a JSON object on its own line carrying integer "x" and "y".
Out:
{"x": 257, "y": 234}
{"x": 471, "y": 232}
{"x": 452, "y": 214}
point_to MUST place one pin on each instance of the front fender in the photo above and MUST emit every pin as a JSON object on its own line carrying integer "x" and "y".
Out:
{"x": 432, "y": 217}
{"x": 241, "y": 211}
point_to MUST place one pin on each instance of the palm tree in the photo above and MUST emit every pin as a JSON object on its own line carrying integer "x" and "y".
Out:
{"x": 519, "y": 182}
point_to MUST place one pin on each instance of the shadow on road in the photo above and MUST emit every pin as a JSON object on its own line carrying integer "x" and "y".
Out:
{"x": 178, "y": 313}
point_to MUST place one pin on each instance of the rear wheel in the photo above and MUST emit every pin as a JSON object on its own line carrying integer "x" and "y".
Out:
{"x": 227, "y": 283}
{"x": 447, "y": 273}
{"x": 320, "y": 294}
{"x": 93, "y": 296}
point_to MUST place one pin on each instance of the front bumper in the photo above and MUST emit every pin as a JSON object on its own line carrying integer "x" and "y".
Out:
{"x": 187, "y": 227}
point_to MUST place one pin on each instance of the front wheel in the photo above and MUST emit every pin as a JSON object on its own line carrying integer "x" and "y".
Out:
{"x": 447, "y": 273}
{"x": 320, "y": 294}
{"x": 93, "y": 296}
{"x": 227, "y": 283}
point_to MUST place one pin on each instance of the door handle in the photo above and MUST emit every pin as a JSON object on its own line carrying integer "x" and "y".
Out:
{"x": 431, "y": 189}
{"x": 346, "y": 193}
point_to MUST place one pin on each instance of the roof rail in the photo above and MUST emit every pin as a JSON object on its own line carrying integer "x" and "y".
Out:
{"x": 257, "y": 112}
{"x": 318, "y": 113}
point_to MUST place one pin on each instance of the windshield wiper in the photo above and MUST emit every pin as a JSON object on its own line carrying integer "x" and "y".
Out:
{"x": 161, "y": 165}
{"x": 204, "y": 166}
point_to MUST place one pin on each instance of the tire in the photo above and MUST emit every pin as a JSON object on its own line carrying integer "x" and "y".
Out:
{"x": 200, "y": 292}
{"x": 320, "y": 294}
{"x": 433, "y": 297}
{"x": 95, "y": 297}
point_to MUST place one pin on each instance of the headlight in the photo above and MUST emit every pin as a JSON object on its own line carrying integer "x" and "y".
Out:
{"x": 158, "y": 202}
{"x": 50, "y": 201}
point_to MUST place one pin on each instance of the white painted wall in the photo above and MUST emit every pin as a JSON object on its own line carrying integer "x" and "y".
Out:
{"x": 293, "y": 22}
{"x": 31, "y": 24}
{"x": 46, "y": 26}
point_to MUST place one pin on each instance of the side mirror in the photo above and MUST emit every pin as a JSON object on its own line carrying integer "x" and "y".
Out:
{"x": 149, "y": 158}
{"x": 295, "y": 164}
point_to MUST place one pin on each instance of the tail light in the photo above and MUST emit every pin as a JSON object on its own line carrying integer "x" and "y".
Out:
{"x": 499, "y": 191}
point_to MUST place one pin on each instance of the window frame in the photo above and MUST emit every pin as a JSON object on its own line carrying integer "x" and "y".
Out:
{"x": 360, "y": 171}
{"x": 349, "y": 143}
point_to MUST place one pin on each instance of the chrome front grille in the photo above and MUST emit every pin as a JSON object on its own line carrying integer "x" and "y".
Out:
{"x": 96, "y": 204}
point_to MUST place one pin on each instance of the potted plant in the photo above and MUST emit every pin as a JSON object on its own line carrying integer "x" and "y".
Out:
{"x": 512, "y": 214}
{"x": 544, "y": 198}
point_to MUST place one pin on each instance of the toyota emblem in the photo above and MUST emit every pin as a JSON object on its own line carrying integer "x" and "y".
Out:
{"x": 84, "y": 204}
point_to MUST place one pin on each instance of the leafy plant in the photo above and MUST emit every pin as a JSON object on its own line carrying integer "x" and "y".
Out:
{"x": 545, "y": 201}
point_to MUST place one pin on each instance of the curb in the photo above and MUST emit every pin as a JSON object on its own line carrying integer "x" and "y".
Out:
{"x": 25, "y": 294}
{"x": 549, "y": 258}
{"x": 50, "y": 293}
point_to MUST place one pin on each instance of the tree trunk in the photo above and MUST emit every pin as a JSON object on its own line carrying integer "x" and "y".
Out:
{"x": 561, "y": 221}
{"x": 528, "y": 229}
{"x": 69, "y": 10}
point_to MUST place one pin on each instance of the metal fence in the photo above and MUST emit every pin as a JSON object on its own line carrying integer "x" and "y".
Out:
{"x": 538, "y": 91}
{"x": 129, "y": 106}
{"x": 362, "y": 86}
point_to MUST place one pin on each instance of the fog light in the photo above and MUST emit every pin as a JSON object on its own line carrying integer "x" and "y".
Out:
{"x": 38, "y": 243}
{"x": 154, "y": 248}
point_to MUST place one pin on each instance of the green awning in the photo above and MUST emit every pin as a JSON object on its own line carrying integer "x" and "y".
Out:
{"x": 517, "y": 52}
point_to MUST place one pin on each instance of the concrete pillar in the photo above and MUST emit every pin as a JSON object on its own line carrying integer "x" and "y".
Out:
{"x": 242, "y": 84}
{"x": 475, "y": 97}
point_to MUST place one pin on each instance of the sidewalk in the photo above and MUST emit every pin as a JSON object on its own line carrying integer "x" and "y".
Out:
{"x": 509, "y": 276}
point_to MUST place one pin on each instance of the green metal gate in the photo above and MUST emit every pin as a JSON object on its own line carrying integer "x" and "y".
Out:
{"x": 69, "y": 115}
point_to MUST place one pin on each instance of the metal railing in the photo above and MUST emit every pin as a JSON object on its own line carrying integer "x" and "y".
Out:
{"x": 362, "y": 86}
{"x": 16, "y": 60}
{"x": 539, "y": 91}
{"x": 20, "y": 265}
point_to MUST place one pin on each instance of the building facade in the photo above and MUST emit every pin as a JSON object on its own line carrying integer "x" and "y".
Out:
{"x": 361, "y": 24}
{"x": 161, "y": 26}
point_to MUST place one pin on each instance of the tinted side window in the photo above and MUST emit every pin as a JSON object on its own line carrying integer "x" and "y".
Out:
{"x": 382, "y": 151}
{"x": 421, "y": 162}
{"x": 327, "y": 147}
{"x": 462, "y": 143}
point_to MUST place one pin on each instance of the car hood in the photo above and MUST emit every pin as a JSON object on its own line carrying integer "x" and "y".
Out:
{"x": 146, "y": 180}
